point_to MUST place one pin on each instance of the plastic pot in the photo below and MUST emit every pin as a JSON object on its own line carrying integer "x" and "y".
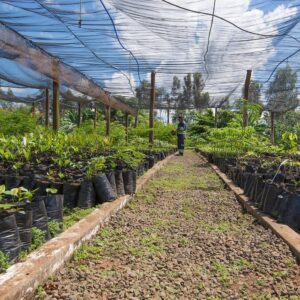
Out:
{"x": 70, "y": 192}
{"x": 271, "y": 192}
{"x": 119, "y": 183}
{"x": 24, "y": 221}
{"x": 9, "y": 235}
{"x": 112, "y": 180}
{"x": 290, "y": 213}
{"x": 129, "y": 179}
{"x": 54, "y": 207}
{"x": 104, "y": 191}
{"x": 39, "y": 216}
{"x": 42, "y": 186}
{"x": 87, "y": 195}
{"x": 12, "y": 182}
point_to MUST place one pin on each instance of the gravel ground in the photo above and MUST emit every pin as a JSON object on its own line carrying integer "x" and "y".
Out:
{"x": 184, "y": 237}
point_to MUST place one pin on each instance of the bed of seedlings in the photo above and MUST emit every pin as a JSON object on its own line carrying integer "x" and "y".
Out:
{"x": 271, "y": 182}
{"x": 43, "y": 176}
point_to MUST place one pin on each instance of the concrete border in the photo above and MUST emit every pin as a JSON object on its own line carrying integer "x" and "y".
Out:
{"x": 287, "y": 234}
{"x": 21, "y": 279}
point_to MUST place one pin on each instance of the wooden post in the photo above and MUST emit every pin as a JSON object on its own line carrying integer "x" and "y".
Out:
{"x": 126, "y": 127}
{"x": 168, "y": 111}
{"x": 272, "y": 115}
{"x": 95, "y": 117}
{"x": 33, "y": 109}
{"x": 47, "y": 108}
{"x": 151, "y": 112}
{"x": 246, "y": 98}
{"x": 107, "y": 120}
{"x": 216, "y": 117}
{"x": 136, "y": 121}
{"x": 79, "y": 115}
{"x": 55, "y": 108}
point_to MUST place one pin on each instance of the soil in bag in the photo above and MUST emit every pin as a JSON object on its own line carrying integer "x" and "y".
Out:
{"x": 249, "y": 184}
{"x": 24, "y": 224}
{"x": 9, "y": 235}
{"x": 12, "y": 182}
{"x": 112, "y": 180}
{"x": 151, "y": 161}
{"x": 87, "y": 195}
{"x": 129, "y": 179}
{"x": 28, "y": 183}
{"x": 270, "y": 197}
{"x": 119, "y": 183}
{"x": 54, "y": 207}
{"x": 41, "y": 187}
{"x": 39, "y": 216}
{"x": 104, "y": 191}
{"x": 70, "y": 192}
{"x": 291, "y": 214}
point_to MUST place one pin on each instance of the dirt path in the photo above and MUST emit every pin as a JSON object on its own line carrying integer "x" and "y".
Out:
{"x": 183, "y": 237}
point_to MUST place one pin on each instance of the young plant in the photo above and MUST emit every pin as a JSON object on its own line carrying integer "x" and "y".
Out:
{"x": 52, "y": 191}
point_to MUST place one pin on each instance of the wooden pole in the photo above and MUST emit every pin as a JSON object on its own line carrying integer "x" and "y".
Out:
{"x": 151, "y": 112}
{"x": 33, "y": 109}
{"x": 47, "y": 108}
{"x": 79, "y": 115}
{"x": 107, "y": 120}
{"x": 272, "y": 115}
{"x": 126, "y": 127}
{"x": 55, "y": 108}
{"x": 136, "y": 121}
{"x": 246, "y": 98}
{"x": 216, "y": 117}
{"x": 95, "y": 117}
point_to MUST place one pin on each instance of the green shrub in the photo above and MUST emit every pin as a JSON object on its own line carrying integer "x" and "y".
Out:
{"x": 17, "y": 122}
{"x": 38, "y": 238}
{"x": 4, "y": 262}
{"x": 54, "y": 228}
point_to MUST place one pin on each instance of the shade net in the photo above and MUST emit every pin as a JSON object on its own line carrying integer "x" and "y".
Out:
{"x": 117, "y": 43}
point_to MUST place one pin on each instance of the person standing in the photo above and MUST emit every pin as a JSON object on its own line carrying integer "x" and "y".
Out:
{"x": 181, "y": 129}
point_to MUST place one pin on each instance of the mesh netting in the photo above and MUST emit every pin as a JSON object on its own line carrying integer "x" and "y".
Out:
{"x": 117, "y": 43}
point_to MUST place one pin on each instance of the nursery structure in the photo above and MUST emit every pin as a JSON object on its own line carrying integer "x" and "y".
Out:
{"x": 182, "y": 235}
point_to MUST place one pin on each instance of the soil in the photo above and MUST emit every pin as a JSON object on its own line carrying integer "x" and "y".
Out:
{"x": 183, "y": 237}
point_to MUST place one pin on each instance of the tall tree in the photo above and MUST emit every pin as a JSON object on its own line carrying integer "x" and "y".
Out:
{"x": 282, "y": 91}
{"x": 176, "y": 94}
{"x": 255, "y": 91}
{"x": 200, "y": 99}
{"x": 187, "y": 90}
{"x": 143, "y": 93}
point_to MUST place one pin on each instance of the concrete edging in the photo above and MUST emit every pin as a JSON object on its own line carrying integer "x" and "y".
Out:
{"x": 287, "y": 234}
{"x": 21, "y": 279}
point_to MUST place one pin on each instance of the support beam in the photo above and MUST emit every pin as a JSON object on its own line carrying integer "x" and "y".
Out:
{"x": 79, "y": 114}
{"x": 151, "y": 112}
{"x": 136, "y": 121}
{"x": 95, "y": 117}
{"x": 246, "y": 98}
{"x": 126, "y": 127}
{"x": 47, "y": 108}
{"x": 107, "y": 121}
{"x": 56, "y": 106}
{"x": 33, "y": 109}
{"x": 216, "y": 117}
{"x": 272, "y": 116}
{"x": 28, "y": 54}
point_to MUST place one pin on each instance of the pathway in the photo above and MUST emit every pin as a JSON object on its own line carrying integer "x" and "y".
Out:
{"x": 184, "y": 237}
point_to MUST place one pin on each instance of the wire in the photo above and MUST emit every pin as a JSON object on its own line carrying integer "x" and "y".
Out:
{"x": 121, "y": 44}
{"x": 229, "y": 22}
{"x": 84, "y": 44}
{"x": 208, "y": 40}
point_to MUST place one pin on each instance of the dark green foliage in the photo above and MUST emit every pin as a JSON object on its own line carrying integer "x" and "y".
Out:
{"x": 38, "y": 238}
{"x": 4, "y": 263}
{"x": 16, "y": 122}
